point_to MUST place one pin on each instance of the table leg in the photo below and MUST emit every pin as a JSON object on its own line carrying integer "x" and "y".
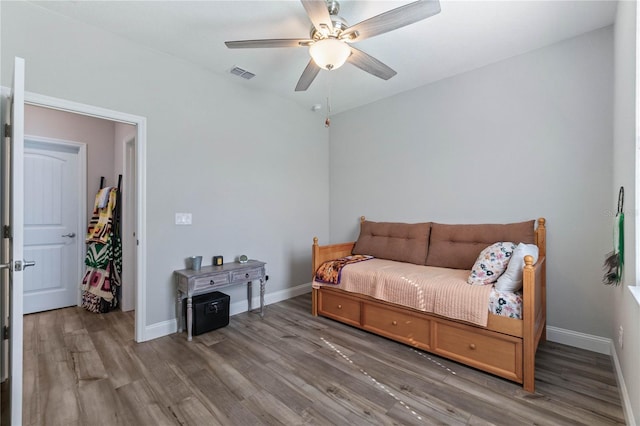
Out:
{"x": 180, "y": 313}
{"x": 189, "y": 317}
{"x": 249, "y": 294}
{"x": 261, "y": 297}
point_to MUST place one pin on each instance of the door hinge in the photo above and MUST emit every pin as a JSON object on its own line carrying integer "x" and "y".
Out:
{"x": 5, "y": 332}
{"x": 7, "y": 130}
{"x": 6, "y": 231}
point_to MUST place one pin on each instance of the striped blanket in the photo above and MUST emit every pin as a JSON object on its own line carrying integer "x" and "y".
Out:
{"x": 101, "y": 222}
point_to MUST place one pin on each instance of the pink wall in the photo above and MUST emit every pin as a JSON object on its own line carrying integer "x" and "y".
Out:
{"x": 98, "y": 134}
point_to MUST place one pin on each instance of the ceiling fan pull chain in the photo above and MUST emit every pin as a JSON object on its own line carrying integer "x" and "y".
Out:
{"x": 327, "y": 121}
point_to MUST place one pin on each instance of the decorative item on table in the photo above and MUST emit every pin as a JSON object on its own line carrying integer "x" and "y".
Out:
{"x": 195, "y": 262}
{"x": 218, "y": 260}
{"x": 243, "y": 259}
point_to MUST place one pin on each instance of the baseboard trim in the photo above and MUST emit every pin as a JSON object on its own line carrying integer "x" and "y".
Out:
{"x": 164, "y": 328}
{"x": 269, "y": 298}
{"x": 160, "y": 329}
{"x": 624, "y": 395}
{"x": 589, "y": 342}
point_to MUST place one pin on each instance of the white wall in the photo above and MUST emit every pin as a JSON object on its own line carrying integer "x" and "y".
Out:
{"x": 526, "y": 137}
{"x": 625, "y": 309}
{"x": 97, "y": 133}
{"x": 250, "y": 167}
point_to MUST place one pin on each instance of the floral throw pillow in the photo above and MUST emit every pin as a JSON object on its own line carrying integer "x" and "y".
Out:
{"x": 491, "y": 263}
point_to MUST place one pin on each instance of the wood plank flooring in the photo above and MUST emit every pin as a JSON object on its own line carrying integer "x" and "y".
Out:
{"x": 289, "y": 368}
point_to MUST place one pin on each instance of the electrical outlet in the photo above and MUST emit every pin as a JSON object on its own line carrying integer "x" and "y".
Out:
{"x": 183, "y": 218}
{"x": 620, "y": 335}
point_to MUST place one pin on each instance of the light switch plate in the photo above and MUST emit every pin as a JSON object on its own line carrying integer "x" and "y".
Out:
{"x": 183, "y": 218}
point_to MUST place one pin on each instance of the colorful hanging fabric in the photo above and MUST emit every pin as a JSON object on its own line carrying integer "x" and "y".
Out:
{"x": 101, "y": 223}
{"x": 104, "y": 255}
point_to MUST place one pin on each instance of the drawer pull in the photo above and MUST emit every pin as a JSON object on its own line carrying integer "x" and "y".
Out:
{"x": 246, "y": 275}
{"x": 339, "y": 306}
{"x": 472, "y": 346}
{"x": 211, "y": 282}
{"x": 394, "y": 322}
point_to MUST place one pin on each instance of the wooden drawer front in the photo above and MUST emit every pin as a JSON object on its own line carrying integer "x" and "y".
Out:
{"x": 211, "y": 280}
{"x": 496, "y": 354}
{"x": 400, "y": 326}
{"x": 340, "y": 308}
{"x": 244, "y": 276}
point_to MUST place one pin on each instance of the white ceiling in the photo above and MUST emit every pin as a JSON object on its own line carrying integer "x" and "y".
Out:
{"x": 464, "y": 36}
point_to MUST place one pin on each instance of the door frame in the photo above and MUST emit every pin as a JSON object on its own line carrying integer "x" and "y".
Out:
{"x": 128, "y": 234}
{"x": 140, "y": 122}
{"x": 82, "y": 195}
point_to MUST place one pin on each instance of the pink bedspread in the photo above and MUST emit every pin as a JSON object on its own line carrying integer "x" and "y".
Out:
{"x": 441, "y": 291}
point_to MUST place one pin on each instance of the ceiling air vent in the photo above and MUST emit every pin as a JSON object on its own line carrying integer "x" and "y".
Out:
{"x": 242, "y": 73}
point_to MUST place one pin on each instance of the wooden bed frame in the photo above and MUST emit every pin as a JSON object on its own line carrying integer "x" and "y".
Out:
{"x": 506, "y": 347}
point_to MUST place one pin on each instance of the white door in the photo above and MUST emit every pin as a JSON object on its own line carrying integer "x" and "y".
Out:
{"x": 52, "y": 235}
{"x": 12, "y": 197}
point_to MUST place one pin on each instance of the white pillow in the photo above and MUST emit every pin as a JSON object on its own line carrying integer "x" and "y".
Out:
{"x": 511, "y": 280}
{"x": 491, "y": 263}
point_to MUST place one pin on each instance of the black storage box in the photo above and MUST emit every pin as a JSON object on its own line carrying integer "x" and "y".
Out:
{"x": 210, "y": 311}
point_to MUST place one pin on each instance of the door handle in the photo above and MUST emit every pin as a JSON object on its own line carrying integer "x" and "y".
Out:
{"x": 21, "y": 265}
{"x": 70, "y": 235}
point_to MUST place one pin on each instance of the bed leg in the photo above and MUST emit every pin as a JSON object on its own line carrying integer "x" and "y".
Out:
{"x": 528, "y": 379}
{"x": 314, "y": 302}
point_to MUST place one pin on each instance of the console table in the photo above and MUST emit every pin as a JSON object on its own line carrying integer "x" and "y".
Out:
{"x": 212, "y": 278}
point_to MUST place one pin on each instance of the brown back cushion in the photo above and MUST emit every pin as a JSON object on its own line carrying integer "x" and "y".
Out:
{"x": 458, "y": 246}
{"x": 404, "y": 242}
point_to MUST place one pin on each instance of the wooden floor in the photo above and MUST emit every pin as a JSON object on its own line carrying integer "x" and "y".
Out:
{"x": 289, "y": 368}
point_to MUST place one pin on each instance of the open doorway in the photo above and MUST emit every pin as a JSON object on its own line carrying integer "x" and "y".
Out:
{"x": 68, "y": 158}
{"x": 117, "y": 149}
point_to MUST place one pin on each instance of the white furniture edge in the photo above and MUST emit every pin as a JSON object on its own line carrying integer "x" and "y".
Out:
{"x": 635, "y": 290}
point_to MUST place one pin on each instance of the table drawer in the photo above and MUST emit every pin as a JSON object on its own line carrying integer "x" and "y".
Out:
{"x": 401, "y": 326}
{"x": 211, "y": 281}
{"x": 496, "y": 354}
{"x": 340, "y": 308}
{"x": 244, "y": 276}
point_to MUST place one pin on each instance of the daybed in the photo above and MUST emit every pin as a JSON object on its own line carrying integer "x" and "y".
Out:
{"x": 502, "y": 345}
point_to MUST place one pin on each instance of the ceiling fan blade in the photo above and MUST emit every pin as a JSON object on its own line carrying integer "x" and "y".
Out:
{"x": 370, "y": 64}
{"x": 274, "y": 42}
{"x": 307, "y": 77}
{"x": 392, "y": 19}
{"x": 319, "y": 15}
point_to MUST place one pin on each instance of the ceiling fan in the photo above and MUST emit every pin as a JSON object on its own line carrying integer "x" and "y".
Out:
{"x": 330, "y": 39}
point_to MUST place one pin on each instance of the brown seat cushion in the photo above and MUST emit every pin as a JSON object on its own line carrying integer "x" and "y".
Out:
{"x": 458, "y": 246}
{"x": 404, "y": 242}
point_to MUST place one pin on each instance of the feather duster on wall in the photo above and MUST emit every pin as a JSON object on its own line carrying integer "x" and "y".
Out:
{"x": 614, "y": 261}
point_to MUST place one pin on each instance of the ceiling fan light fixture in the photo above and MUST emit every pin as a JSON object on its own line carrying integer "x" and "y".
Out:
{"x": 329, "y": 53}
